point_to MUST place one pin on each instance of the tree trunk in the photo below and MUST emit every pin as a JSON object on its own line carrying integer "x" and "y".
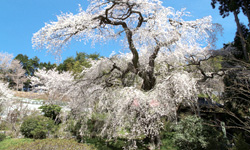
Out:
{"x": 148, "y": 80}
{"x": 17, "y": 85}
{"x": 22, "y": 85}
{"x": 247, "y": 12}
{"x": 243, "y": 42}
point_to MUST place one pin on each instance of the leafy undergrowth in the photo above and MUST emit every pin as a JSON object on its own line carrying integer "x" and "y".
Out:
{"x": 50, "y": 144}
{"x": 8, "y": 143}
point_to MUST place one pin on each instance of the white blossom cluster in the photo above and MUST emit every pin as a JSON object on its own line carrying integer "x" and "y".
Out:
{"x": 51, "y": 82}
{"x": 129, "y": 108}
{"x": 5, "y": 92}
{"x": 162, "y": 23}
{"x": 5, "y": 96}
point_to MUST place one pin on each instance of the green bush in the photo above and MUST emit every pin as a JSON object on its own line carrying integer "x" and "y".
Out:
{"x": 189, "y": 134}
{"x": 37, "y": 127}
{"x": 166, "y": 135}
{"x": 51, "y": 111}
{"x": 2, "y": 136}
{"x": 192, "y": 134}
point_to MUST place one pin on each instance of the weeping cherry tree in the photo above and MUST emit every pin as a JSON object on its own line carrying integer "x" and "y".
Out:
{"x": 133, "y": 90}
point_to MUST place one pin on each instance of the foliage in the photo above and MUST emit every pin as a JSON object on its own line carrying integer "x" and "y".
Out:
{"x": 51, "y": 111}
{"x": 11, "y": 142}
{"x": 77, "y": 64}
{"x": 55, "y": 144}
{"x": 2, "y": 136}
{"x": 30, "y": 65}
{"x": 227, "y": 6}
{"x": 240, "y": 143}
{"x": 237, "y": 42}
{"x": 236, "y": 99}
{"x": 47, "y": 66}
{"x": 37, "y": 127}
{"x": 167, "y": 135}
{"x": 215, "y": 138}
{"x": 94, "y": 126}
{"x": 190, "y": 134}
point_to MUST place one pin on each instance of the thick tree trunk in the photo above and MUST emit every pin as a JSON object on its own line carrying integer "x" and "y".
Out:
{"x": 17, "y": 85}
{"x": 247, "y": 12}
{"x": 22, "y": 86}
{"x": 243, "y": 42}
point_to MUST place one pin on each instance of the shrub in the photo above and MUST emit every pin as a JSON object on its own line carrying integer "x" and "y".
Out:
{"x": 189, "y": 134}
{"x": 51, "y": 111}
{"x": 167, "y": 138}
{"x": 2, "y": 136}
{"x": 37, "y": 127}
{"x": 192, "y": 134}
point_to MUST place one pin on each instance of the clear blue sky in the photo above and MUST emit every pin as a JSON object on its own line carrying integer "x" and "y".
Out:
{"x": 19, "y": 19}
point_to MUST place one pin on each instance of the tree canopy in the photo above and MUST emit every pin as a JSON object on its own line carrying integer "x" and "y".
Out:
{"x": 146, "y": 26}
{"x": 133, "y": 90}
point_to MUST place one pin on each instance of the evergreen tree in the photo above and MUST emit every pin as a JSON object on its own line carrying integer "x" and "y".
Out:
{"x": 227, "y": 6}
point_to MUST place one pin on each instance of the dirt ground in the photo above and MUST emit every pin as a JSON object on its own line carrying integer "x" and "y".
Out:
{"x": 31, "y": 95}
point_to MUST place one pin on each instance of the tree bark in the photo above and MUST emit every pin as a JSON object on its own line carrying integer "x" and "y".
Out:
{"x": 243, "y": 42}
{"x": 245, "y": 3}
{"x": 17, "y": 85}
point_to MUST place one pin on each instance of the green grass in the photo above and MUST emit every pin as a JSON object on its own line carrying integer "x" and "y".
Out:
{"x": 45, "y": 144}
{"x": 7, "y": 143}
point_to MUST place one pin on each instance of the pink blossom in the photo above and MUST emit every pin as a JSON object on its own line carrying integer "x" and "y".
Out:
{"x": 135, "y": 103}
{"x": 154, "y": 103}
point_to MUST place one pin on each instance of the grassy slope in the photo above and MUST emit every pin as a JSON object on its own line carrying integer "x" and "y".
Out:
{"x": 45, "y": 144}
{"x": 7, "y": 143}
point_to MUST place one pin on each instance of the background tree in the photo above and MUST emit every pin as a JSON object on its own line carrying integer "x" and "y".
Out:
{"x": 47, "y": 66}
{"x": 17, "y": 74}
{"x": 227, "y": 6}
{"x": 236, "y": 99}
{"x": 77, "y": 64}
{"x": 5, "y": 61}
{"x": 54, "y": 84}
{"x": 237, "y": 42}
{"x": 30, "y": 65}
{"x": 245, "y": 5}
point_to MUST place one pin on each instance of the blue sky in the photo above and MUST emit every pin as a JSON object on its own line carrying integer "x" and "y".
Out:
{"x": 19, "y": 19}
